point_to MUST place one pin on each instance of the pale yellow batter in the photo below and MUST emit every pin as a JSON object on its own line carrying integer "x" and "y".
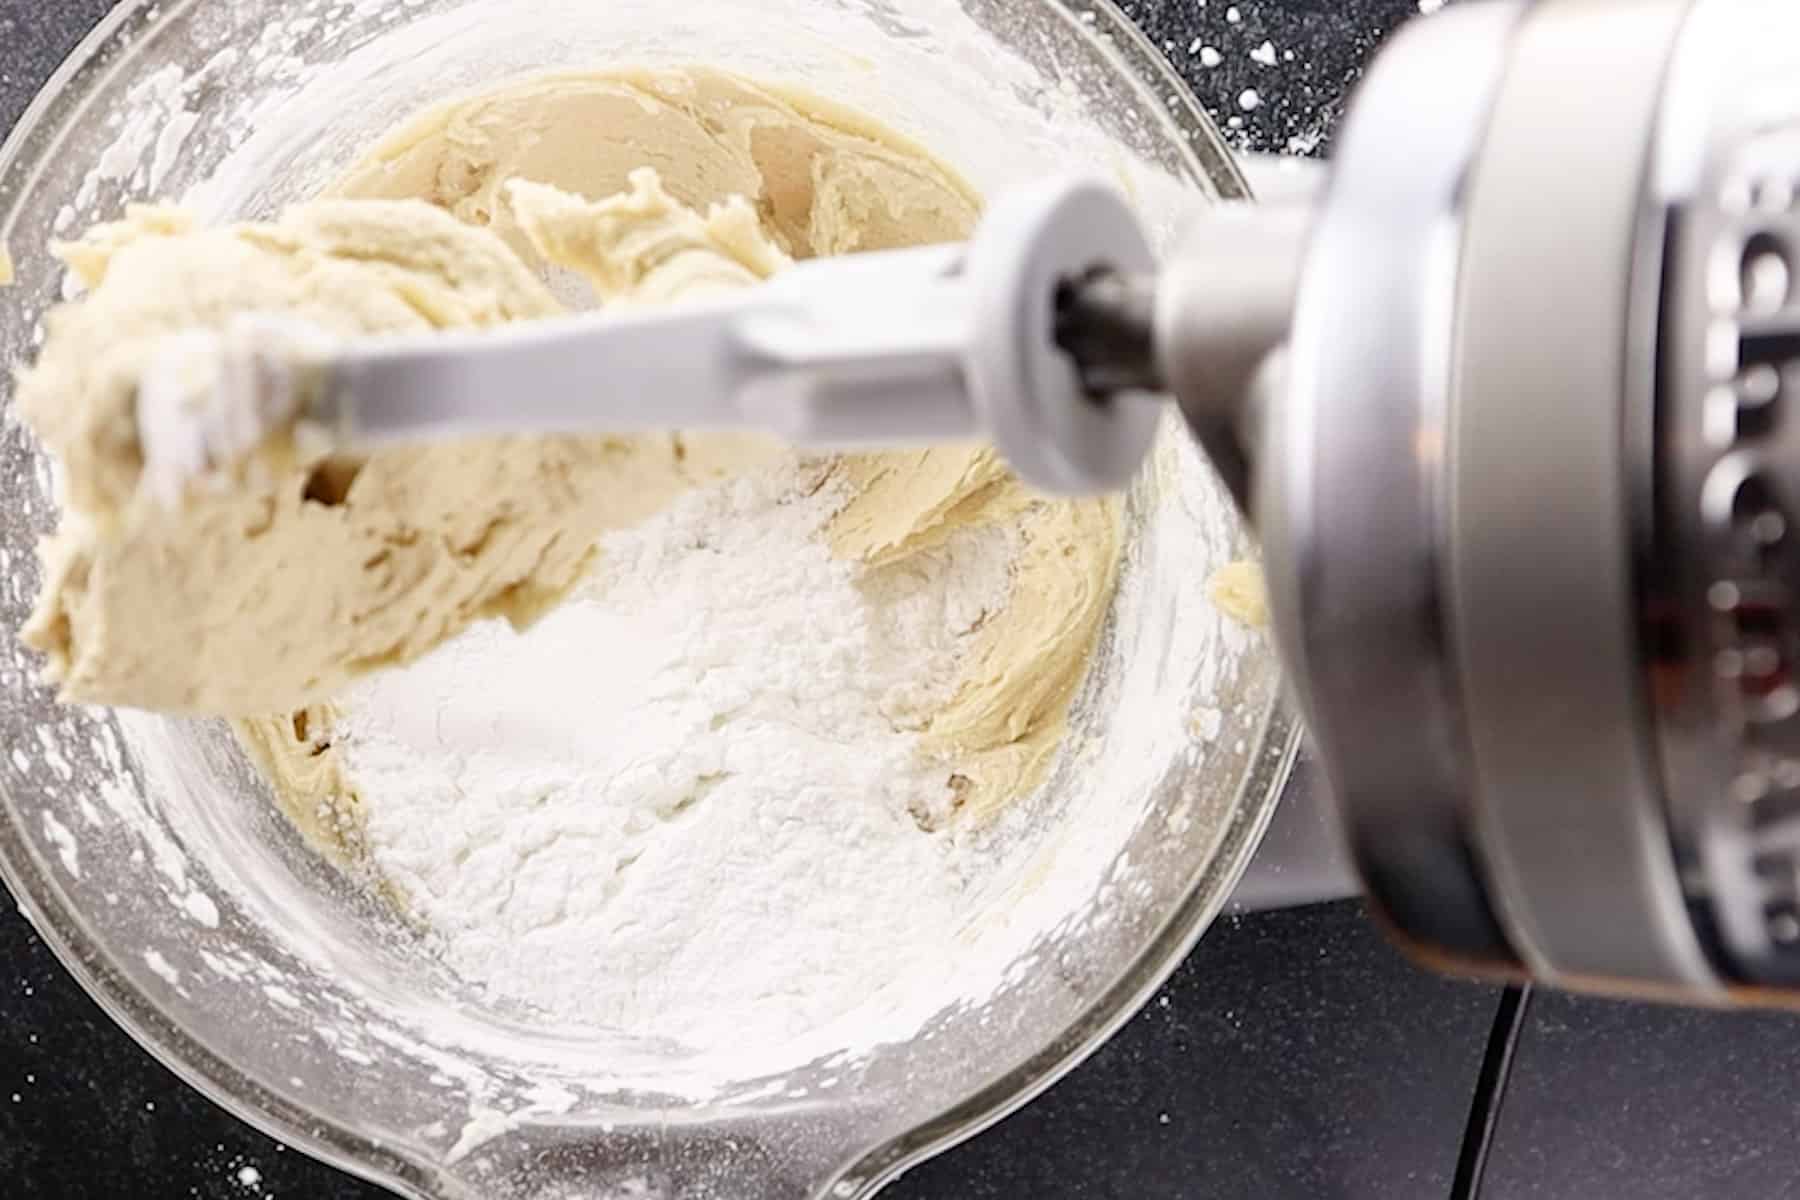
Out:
{"x": 273, "y": 592}
{"x": 1239, "y": 591}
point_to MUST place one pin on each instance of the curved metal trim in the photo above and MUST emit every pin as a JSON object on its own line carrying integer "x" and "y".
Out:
{"x": 1570, "y": 812}
{"x": 1351, "y": 493}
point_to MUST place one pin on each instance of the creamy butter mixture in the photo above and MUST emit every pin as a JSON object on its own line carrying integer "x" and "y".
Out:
{"x": 1239, "y": 591}
{"x": 273, "y": 594}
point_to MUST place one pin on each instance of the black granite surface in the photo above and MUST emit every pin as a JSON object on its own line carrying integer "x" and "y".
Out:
{"x": 1293, "y": 1055}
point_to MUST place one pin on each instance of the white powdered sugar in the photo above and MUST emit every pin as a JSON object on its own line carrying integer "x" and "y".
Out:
{"x": 689, "y": 803}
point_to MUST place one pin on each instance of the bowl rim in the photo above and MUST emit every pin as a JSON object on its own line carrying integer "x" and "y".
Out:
{"x": 1162, "y": 955}
{"x": 56, "y": 107}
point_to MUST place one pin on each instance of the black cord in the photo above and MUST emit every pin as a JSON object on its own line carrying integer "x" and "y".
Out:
{"x": 1490, "y": 1092}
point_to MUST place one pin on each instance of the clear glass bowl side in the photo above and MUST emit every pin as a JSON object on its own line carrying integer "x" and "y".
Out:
{"x": 215, "y": 938}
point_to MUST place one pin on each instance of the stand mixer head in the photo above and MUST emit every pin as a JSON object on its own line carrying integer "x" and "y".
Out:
{"x": 1515, "y": 447}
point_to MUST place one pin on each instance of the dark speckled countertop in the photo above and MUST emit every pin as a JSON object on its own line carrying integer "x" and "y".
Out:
{"x": 1293, "y": 1055}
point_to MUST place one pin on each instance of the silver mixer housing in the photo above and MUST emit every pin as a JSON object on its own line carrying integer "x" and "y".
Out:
{"x": 1513, "y": 409}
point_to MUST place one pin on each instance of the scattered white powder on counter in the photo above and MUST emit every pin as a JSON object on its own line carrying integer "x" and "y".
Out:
{"x": 686, "y": 803}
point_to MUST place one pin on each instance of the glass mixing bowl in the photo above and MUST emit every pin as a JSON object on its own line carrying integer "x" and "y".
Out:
{"x": 145, "y": 850}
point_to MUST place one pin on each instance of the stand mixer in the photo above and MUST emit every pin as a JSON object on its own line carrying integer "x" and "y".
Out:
{"x": 1517, "y": 459}
{"x": 1517, "y": 464}
{"x": 1505, "y": 405}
